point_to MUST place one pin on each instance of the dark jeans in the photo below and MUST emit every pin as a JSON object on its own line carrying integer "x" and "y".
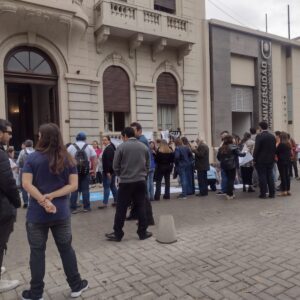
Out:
{"x": 160, "y": 174}
{"x": 84, "y": 188}
{"x": 202, "y": 181}
{"x": 109, "y": 184}
{"x": 131, "y": 192}
{"x": 6, "y": 229}
{"x": 37, "y": 235}
{"x": 190, "y": 176}
{"x": 230, "y": 176}
{"x": 223, "y": 181}
{"x": 212, "y": 184}
{"x": 284, "y": 172}
{"x": 183, "y": 175}
{"x": 246, "y": 173}
{"x": 293, "y": 165}
{"x": 266, "y": 179}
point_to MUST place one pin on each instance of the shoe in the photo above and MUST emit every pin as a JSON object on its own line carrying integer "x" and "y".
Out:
{"x": 102, "y": 206}
{"x": 181, "y": 197}
{"x": 220, "y": 193}
{"x": 201, "y": 195}
{"x": 25, "y": 205}
{"x": 156, "y": 199}
{"x": 251, "y": 190}
{"x": 230, "y": 197}
{"x": 282, "y": 194}
{"x": 74, "y": 211}
{"x": 244, "y": 189}
{"x": 3, "y": 270}
{"x": 87, "y": 209}
{"x": 112, "y": 237}
{"x": 262, "y": 196}
{"x": 26, "y": 295}
{"x": 166, "y": 198}
{"x": 145, "y": 236}
{"x": 7, "y": 285}
{"x": 114, "y": 204}
{"x": 272, "y": 196}
{"x": 84, "y": 286}
{"x": 289, "y": 193}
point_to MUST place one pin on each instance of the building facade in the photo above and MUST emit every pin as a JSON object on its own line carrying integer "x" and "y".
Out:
{"x": 96, "y": 66}
{"x": 254, "y": 76}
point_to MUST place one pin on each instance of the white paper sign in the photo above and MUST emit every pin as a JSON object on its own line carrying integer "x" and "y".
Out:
{"x": 148, "y": 135}
{"x": 165, "y": 135}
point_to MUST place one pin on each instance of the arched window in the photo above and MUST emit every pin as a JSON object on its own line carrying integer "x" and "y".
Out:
{"x": 167, "y": 101}
{"x": 116, "y": 94}
{"x": 29, "y": 62}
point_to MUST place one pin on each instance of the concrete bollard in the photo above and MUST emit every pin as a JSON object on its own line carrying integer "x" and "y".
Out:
{"x": 166, "y": 230}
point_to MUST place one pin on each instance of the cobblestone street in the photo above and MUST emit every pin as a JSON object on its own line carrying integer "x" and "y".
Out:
{"x": 246, "y": 248}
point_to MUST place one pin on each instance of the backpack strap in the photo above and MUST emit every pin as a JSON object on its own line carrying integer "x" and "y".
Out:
{"x": 76, "y": 147}
{"x": 83, "y": 148}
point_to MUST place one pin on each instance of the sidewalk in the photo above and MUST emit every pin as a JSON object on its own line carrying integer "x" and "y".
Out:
{"x": 246, "y": 248}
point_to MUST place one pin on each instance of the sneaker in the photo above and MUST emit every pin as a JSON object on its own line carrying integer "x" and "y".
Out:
{"x": 26, "y": 295}
{"x": 74, "y": 211}
{"x": 7, "y": 285}
{"x": 83, "y": 287}
{"x": 230, "y": 197}
{"x": 220, "y": 193}
{"x": 3, "y": 270}
{"x": 87, "y": 209}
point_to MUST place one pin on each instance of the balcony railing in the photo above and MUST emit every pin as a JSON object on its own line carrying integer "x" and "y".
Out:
{"x": 126, "y": 19}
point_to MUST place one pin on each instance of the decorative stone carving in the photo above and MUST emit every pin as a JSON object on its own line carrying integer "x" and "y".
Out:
{"x": 8, "y": 8}
{"x": 134, "y": 43}
{"x": 184, "y": 51}
{"x": 158, "y": 47}
{"x": 101, "y": 37}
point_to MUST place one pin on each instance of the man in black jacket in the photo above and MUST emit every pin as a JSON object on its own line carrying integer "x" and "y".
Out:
{"x": 109, "y": 177}
{"x": 9, "y": 200}
{"x": 202, "y": 166}
{"x": 264, "y": 158}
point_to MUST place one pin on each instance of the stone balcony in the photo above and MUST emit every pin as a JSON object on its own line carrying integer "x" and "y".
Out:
{"x": 45, "y": 18}
{"x": 140, "y": 25}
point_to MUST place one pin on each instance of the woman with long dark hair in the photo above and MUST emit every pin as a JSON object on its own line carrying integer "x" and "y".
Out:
{"x": 284, "y": 153}
{"x": 228, "y": 155}
{"x": 49, "y": 176}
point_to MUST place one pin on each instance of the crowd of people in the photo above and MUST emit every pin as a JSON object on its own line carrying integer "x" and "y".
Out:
{"x": 51, "y": 176}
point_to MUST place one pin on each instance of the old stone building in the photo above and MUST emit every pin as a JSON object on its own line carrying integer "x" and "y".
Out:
{"x": 96, "y": 66}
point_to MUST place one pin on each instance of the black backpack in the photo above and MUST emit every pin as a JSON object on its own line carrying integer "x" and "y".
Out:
{"x": 83, "y": 164}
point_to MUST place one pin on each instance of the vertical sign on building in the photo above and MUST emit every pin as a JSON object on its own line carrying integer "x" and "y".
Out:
{"x": 266, "y": 94}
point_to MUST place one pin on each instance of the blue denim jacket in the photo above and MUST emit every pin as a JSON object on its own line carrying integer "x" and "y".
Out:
{"x": 183, "y": 156}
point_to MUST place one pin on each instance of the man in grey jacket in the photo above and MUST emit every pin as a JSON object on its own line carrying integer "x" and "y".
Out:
{"x": 131, "y": 163}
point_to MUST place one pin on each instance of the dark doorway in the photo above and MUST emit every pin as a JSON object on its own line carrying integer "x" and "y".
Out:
{"x": 31, "y": 93}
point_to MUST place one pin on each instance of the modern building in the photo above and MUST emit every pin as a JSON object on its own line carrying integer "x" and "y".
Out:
{"x": 96, "y": 66}
{"x": 254, "y": 76}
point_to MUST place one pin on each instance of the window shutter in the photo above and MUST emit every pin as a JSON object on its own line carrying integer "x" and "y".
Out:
{"x": 167, "y": 91}
{"x": 116, "y": 90}
{"x": 169, "y": 4}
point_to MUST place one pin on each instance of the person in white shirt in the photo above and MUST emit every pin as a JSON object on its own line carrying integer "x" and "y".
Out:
{"x": 83, "y": 154}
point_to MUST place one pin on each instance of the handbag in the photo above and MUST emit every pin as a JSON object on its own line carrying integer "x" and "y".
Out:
{"x": 7, "y": 210}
